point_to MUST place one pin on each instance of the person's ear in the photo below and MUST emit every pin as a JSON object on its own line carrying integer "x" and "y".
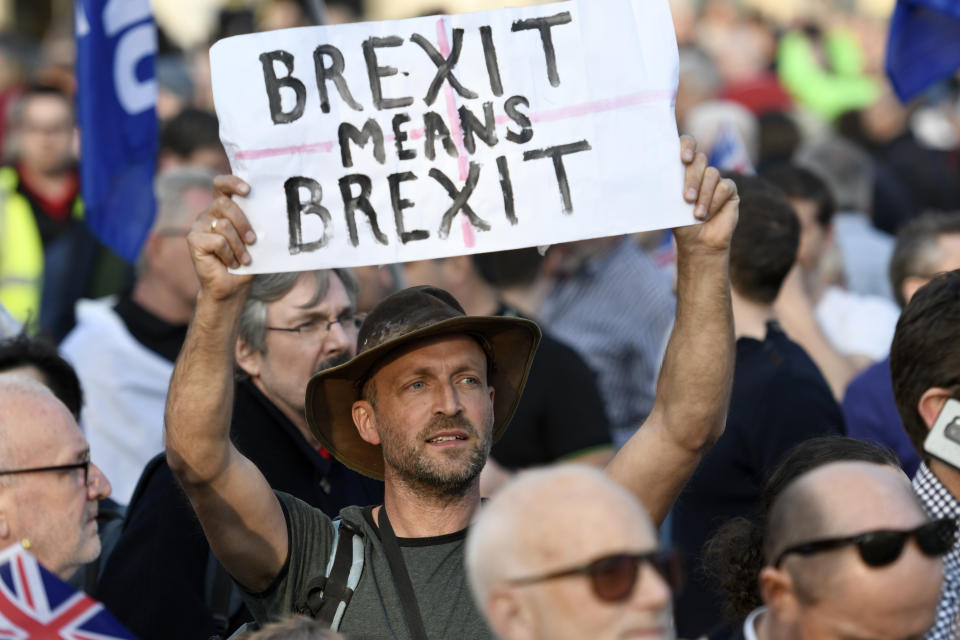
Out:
{"x": 508, "y": 617}
{"x": 778, "y": 592}
{"x": 931, "y": 404}
{"x": 910, "y": 285}
{"x": 365, "y": 419}
{"x": 248, "y": 358}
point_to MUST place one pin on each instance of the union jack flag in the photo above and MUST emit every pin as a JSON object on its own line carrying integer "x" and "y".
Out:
{"x": 36, "y": 604}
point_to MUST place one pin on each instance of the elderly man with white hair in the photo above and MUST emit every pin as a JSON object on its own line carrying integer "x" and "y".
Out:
{"x": 48, "y": 487}
{"x": 566, "y": 552}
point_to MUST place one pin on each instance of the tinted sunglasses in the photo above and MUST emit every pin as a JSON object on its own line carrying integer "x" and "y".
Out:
{"x": 613, "y": 577}
{"x": 880, "y": 548}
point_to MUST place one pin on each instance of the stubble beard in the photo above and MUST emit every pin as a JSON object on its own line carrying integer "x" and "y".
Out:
{"x": 415, "y": 468}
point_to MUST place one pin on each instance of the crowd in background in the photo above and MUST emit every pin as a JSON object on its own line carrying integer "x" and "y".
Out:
{"x": 850, "y": 206}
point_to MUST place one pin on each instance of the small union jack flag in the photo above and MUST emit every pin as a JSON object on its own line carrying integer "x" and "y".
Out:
{"x": 36, "y": 604}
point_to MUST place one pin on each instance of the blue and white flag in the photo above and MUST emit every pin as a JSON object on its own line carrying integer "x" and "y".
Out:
{"x": 35, "y": 604}
{"x": 924, "y": 44}
{"x": 729, "y": 152}
{"x": 116, "y": 107}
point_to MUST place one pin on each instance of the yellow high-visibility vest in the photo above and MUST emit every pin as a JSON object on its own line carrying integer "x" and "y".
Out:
{"x": 21, "y": 250}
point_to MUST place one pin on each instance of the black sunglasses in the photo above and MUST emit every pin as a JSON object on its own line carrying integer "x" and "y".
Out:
{"x": 880, "y": 548}
{"x": 613, "y": 577}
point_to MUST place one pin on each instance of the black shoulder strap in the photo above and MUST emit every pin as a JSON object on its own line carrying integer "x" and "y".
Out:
{"x": 329, "y": 594}
{"x": 408, "y": 599}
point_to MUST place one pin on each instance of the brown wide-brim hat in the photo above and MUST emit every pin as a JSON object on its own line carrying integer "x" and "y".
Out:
{"x": 401, "y": 320}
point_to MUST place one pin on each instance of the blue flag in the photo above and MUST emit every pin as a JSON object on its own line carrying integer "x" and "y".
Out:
{"x": 116, "y": 109}
{"x": 924, "y": 44}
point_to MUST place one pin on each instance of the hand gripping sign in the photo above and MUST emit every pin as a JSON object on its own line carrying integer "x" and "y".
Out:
{"x": 390, "y": 141}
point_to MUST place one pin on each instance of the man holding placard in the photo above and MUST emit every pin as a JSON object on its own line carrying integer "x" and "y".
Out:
{"x": 431, "y": 388}
{"x": 428, "y": 393}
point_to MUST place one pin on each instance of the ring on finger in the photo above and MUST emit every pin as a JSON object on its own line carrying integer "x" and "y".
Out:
{"x": 213, "y": 225}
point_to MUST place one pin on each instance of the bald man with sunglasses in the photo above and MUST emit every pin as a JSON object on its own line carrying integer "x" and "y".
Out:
{"x": 566, "y": 552}
{"x": 850, "y": 555}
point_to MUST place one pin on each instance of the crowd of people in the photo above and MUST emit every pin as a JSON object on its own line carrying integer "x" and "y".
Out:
{"x": 717, "y": 431}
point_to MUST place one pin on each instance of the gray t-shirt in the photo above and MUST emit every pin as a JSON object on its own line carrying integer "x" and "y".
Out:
{"x": 435, "y": 566}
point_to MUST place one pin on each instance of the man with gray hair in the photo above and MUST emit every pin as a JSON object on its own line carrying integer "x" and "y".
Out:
{"x": 291, "y": 325}
{"x": 566, "y": 552}
{"x": 123, "y": 349}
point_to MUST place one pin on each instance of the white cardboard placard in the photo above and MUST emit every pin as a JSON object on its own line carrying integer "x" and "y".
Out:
{"x": 384, "y": 142}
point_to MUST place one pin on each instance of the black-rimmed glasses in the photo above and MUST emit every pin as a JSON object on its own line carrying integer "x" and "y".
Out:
{"x": 883, "y": 547}
{"x": 613, "y": 577}
{"x": 313, "y": 329}
{"x": 85, "y": 465}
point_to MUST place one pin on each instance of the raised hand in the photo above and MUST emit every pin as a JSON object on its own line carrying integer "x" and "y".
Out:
{"x": 717, "y": 204}
{"x": 219, "y": 238}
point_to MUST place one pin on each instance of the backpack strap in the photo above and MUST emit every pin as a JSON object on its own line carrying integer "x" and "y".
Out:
{"x": 328, "y": 595}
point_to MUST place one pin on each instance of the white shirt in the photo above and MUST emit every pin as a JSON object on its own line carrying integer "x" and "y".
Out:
{"x": 750, "y": 624}
{"x": 124, "y": 391}
{"x": 857, "y": 324}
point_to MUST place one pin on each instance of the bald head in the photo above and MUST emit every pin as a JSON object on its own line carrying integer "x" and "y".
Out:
{"x": 536, "y": 519}
{"x": 838, "y": 499}
{"x": 834, "y": 593}
{"x": 556, "y": 519}
{"x": 24, "y": 401}
{"x": 51, "y": 500}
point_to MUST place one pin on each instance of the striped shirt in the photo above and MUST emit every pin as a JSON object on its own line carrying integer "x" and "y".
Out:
{"x": 938, "y": 502}
{"x": 617, "y": 312}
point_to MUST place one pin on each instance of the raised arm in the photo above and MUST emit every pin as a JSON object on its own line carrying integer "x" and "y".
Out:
{"x": 693, "y": 390}
{"x": 240, "y": 514}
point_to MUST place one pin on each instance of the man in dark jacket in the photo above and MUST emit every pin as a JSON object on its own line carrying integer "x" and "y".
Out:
{"x": 779, "y": 397}
{"x": 161, "y": 579}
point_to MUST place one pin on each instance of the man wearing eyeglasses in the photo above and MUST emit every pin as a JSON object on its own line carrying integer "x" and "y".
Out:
{"x": 291, "y": 325}
{"x": 566, "y": 552}
{"x": 850, "y": 554}
{"x": 48, "y": 487}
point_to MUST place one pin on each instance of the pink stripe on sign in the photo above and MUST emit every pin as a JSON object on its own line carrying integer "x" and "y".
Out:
{"x": 469, "y": 239}
{"x": 314, "y": 147}
{"x": 600, "y": 106}
{"x": 563, "y": 113}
